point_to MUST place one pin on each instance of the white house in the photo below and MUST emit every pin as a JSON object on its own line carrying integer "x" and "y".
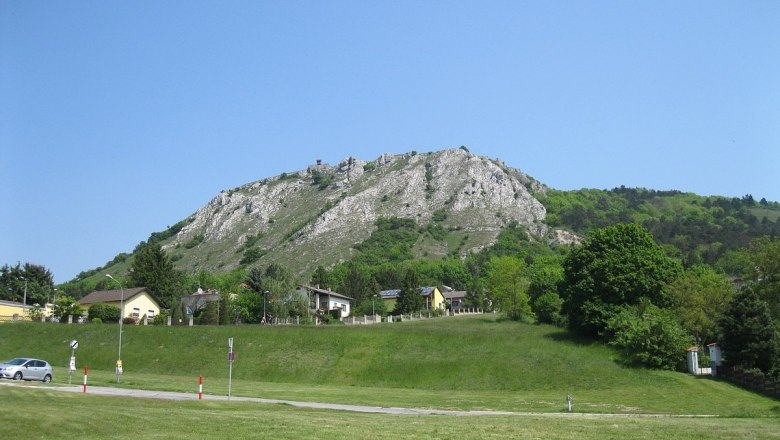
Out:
{"x": 325, "y": 300}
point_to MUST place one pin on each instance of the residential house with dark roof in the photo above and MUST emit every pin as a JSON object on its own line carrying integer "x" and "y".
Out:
{"x": 135, "y": 302}
{"x": 455, "y": 298}
{"x": 325, "y": 300}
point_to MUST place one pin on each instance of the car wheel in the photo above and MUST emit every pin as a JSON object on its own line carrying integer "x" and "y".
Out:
{"x": 18, "y": 375}
{"x": 47, "y": 378}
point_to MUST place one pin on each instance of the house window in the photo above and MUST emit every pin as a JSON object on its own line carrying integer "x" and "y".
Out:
{"x": 136, "y": 312}
{"x": 149, "y": 315}
{"x": 344, "y": 307}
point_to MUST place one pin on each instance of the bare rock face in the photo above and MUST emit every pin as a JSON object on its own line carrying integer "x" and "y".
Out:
{"x": 561, "y": 237}
{"x": 317, "y": 214}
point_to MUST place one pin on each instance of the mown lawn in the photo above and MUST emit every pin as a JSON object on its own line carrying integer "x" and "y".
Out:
{"x": 45, "y": 414}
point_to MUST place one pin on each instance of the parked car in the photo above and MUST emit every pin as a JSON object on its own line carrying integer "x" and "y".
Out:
{"x": 26, "y": 369}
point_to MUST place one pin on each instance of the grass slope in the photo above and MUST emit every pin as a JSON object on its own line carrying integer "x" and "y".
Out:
{"x": 475, "y": 362}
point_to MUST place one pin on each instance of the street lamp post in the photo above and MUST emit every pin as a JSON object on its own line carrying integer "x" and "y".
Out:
{"x": 121, "y": 311}
{"x": 24, "y": 301}
{"x": 265, "y": 299}
{"x": 53, "y": 301}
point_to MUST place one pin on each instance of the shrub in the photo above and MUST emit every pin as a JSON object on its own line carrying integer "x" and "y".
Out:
{"x": 96, "y": 320}
{"x": 649, "y": 336}
{"x": 548, "y": 308}
{"x": 328, "y": 318}
{"x": 161, "y": 319}
{"x": 198, "y": 239}
{"x": 250, "y": 256}
{"x": 105, "y": 312}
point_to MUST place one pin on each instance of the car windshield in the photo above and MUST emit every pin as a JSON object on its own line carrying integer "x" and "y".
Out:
{"x": 17, "y": 361}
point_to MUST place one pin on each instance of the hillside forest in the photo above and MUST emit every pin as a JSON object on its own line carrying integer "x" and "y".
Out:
{"x": 656, "y": 273}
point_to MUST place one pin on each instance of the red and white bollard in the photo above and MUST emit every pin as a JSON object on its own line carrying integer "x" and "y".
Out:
{"x": 200, "y": 388}
{"x": 85, "y": 378}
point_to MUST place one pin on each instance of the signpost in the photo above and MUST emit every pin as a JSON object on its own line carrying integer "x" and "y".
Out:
{"x": 74, "y": 344}
{"x": 231, "y": 358}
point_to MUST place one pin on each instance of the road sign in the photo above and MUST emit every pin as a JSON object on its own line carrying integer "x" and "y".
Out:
{"x": 72, "y": 364}
{"x": 74, "y": 344}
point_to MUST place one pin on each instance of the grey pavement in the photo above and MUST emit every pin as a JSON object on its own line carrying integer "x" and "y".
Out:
{"x": 170, "y": 395}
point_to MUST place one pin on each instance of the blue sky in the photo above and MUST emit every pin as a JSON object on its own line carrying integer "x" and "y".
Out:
{"x": 118, "y": 119}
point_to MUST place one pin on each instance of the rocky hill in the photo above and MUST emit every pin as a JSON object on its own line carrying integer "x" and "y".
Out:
{"x": 316, "y": 215}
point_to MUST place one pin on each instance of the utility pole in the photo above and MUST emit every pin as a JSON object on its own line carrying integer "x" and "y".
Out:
{"x": 24, "y": 301}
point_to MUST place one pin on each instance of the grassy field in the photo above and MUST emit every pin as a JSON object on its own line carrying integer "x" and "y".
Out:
{"x": 45, "y": 414}
{"x": 468, "y": 363}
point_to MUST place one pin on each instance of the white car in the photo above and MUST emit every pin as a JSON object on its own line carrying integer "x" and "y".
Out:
{"x": 26, "y": 369}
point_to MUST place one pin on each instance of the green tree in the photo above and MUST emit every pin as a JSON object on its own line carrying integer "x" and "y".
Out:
{"x": 511, "y": 241}
{"x": 36, "y": 280}
{"x": 699, "y": 297}
{"x": 177, "y": 312}
{"x": 508, "y": 285}
{"x": 617, "y": 266}
{"x": 545, "y": 275}
{"x": 320, "y": 278}
{"x": 749, "y": 336}
{"x": 209, "y": 315}
{"x": 476, "y": 295}
{"x": 64, "y": 306}
{"x": 151, "y": 268}
{"x": 374, "y": 304}
{"x": 272, "y": 290}
{"x": 224, "y": 310}
{"x": 252, "y": 302}
{"x": 765, "y": 271}
{"x": 11, "y": 283}
{"x": 455, "y": 274}
{"x": 357, "y": 283}
{"x": 410, "y": 299}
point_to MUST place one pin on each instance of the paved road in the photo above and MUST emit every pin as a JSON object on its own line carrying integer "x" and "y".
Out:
{"x": 169, "y": 395}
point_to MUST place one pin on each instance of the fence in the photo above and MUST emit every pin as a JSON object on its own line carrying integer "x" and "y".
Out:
{"x": 752, "y": 380}
{"x": 350, "y": 320}
{"x": 28, "y": 318}
{"x": 376, "y": 319}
